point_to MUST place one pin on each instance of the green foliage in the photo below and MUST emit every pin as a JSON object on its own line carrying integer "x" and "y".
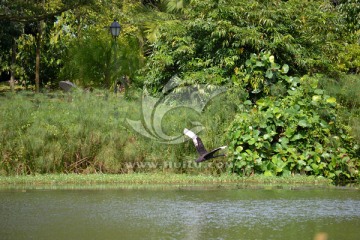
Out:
{"x": 176, "y": 5}
{"x": 287, "y": 124}
{"x": 346, "y": 90}
{"x": 93, "y": 57}
{"x": 210, "y": 39}
{"x": 294, "y": 132}
{"x": 69, "y": 26}
{"x": 8, "y": 32}
{"x": 88, "y": 132}
{"x": 349, "y": 58}
{"x": 27, "y": 20}
{"x": 261, "y": 74}
{"x": 33, "y": 11}
{"x": 50, "y": 63}
{"x": 90, "y": 62}
{"x": 350, "y": 10}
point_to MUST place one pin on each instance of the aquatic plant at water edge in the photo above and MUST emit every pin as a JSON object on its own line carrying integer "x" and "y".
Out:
{"x": 296, "y": 131}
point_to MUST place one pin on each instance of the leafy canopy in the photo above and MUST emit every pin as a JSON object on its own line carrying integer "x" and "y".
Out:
{"x": 210, "y": 38}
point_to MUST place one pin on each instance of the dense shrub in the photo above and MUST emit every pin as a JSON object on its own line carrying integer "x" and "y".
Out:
{"x": 296, "y": 130}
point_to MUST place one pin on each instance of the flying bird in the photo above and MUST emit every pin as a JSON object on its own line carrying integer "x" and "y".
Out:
{"x": 204, "y": 154}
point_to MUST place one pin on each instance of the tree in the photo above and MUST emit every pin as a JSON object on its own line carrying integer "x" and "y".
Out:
{"x": 37, "y": 12}
{"x": 207, "y": 41}
{"x": 93, "y": 58}
{"x": 350, "y": 9}
{"x": 9, "y": 32}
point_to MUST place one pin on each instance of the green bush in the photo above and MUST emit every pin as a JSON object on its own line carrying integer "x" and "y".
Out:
{"x": 262, "y": 76}
{"x": 297, "y": 132}
{"x": 346, "y": 90}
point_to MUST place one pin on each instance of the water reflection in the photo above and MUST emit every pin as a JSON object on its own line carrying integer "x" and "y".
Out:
{"x": 180, "y": 212}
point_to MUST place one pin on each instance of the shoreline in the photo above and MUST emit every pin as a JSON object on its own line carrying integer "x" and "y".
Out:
{"x": 157, "y": 179}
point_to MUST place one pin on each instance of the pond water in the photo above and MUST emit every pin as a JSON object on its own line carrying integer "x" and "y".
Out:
{"x": 193, "y": 212}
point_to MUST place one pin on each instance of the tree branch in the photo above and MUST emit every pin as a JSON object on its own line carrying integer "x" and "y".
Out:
{"x": 38, "y": 17}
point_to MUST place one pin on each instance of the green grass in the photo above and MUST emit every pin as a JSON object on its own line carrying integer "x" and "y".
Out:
{"x": 89, "y": 133}
{"x": 155, "y": 178}
{"x": 346, "y": 89}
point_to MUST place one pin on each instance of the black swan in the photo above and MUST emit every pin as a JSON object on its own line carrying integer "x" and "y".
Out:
{"x": 204, "y": 155}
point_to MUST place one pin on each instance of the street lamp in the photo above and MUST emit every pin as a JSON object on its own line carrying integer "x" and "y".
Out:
{"x": 115, "y": 31}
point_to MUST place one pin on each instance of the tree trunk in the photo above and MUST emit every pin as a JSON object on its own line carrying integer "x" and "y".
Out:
{"x": 37, "y": 63}
{"x": 12, "y": 68}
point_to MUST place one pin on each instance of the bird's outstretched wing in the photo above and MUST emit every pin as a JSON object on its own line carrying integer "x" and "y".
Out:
{"x": 197, "y": 141}
{"x": 212, "y": 152}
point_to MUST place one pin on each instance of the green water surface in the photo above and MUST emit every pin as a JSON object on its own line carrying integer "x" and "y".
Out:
{"x": 193, "y": 212}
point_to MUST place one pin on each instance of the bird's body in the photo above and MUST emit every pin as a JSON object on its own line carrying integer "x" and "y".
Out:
{"x": 203, "y": 153}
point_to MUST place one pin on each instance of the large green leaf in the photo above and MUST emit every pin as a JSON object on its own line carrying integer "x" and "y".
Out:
{"x": 316, "y": 98}
{"x": 285, "y": 68}
{"x": 303, "y": 123}
{"x": 331, "y": 100}
{"x": 269, "y": 73}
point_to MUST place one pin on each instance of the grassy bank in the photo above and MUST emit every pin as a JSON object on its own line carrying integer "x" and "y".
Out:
{"x": 90, "y": 133}
{"x": 155, "y": 178}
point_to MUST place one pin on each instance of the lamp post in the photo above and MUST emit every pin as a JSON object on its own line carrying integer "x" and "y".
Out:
{"x": 115, "y": 31}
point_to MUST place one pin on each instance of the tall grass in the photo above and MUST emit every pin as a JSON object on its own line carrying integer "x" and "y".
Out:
{"x": 346, "y": 89}
{"x": 88, "y": 132}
